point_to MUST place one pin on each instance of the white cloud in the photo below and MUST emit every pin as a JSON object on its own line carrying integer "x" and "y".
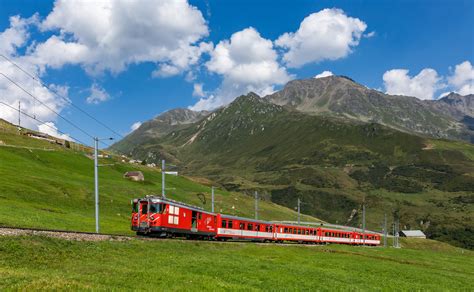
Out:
{"x": 324, "y": 74}
{"x": 51, "y": 129}
{"x": 12, "y": 38}
{"x": 135, "y": 126}
{"x": 422, "y": 86}
{"x": 97, "y": 95}
{"x": 16, "y": 35}
{"x": 462, "y": 80}
{"x": 325, "y": 35}
{"x": 109, "y": 35}
{"x": 247, "y": 62}
{"x": 198, "y": 91}
{"x": 369, "y": 35}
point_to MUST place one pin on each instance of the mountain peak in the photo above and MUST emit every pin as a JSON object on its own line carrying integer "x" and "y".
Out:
{"x": 179, "y": 116}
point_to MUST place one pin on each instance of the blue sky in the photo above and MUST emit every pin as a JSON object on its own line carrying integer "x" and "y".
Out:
{"x": 127, "y": 63}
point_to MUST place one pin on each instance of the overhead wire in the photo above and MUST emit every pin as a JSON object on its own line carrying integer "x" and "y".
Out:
{"x": 49, "y": 108}
{"x": 60, "y": 96}
{"x": 43, "y": 123}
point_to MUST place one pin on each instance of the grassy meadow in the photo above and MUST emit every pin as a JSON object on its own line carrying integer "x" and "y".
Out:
{"x": 46, "y": 263}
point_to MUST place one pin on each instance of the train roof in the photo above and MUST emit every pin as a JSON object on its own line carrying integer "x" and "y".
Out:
{"x": 244, "y": 219}
{"x": 160, "y": 199}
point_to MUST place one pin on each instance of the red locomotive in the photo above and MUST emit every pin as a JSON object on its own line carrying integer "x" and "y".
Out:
{"x": 159, "y": 216}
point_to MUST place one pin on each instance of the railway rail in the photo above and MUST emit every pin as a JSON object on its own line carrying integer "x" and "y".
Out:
{"x": 92, "y": 236}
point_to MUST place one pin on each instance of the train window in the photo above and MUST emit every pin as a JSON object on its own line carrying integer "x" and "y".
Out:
{"x": 257, "y": 227}
{"x": 224, "y": 224}
{"x": 241, "y": 226}
{"x": 199, "y": 216}
{"x": 286, "y": 230}
{"x": 135, "y": 207}
{"x": 230, "y": 224}
{"x": 156, "y": 208}
{"x": 294, "y": 231}
{"x": 144, "y": 208}
{"x": 249, "y": 226}
{"x": 299, "y": 231}
{"x": 271, "y": 228}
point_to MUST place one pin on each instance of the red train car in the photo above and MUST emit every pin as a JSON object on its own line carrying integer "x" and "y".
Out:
{"x": 231, "y": 227}
{"x": 168, "y": 218}
{"x": 165, "y": 217}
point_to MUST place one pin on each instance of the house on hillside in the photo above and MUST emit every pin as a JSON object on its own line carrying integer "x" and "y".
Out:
{"x": 412, "y": 234}
{"x": 134, "y": 175}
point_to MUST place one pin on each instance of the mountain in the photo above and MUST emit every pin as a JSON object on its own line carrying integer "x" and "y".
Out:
{"x": 159, "y": 126}
{"x": 342, "y": 97}
{"x": 332, "y": 164}
{"x": 458, "y": 107}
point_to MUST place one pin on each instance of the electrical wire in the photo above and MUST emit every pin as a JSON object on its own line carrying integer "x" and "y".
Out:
{"x": 53, "y": 111}
{"x": 60, "y": 96}
{"x": 44, "y": 123}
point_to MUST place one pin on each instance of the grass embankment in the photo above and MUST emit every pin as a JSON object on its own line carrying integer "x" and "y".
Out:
{"x": 54, "y": 188}
{"x": 40, "y": 262}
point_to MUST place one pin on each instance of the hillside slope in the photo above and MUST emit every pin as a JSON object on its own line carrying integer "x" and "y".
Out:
{"x": 49, "y": 186}
{"x": 331, "y": 164}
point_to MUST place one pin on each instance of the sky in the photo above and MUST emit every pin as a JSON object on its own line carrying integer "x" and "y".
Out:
{"x": 124, "y": 62}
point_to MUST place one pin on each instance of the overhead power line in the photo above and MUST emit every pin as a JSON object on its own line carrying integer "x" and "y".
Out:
{"x": 49, "y": 108}
{"x": 44, "y": 123}
{"x": 60, "y": 96}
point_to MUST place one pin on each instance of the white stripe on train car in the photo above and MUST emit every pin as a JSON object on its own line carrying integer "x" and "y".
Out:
{"x": 248, "y": 233}
{"x": 296, "y": 236}
{"x": 336, "y": 239}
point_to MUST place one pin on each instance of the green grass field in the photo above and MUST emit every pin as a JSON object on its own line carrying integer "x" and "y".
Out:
{"x": 54, "y": 188}
{"x": 45, "y": 263}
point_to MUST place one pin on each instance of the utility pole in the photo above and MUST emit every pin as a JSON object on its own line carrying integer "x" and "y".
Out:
{"x": 363, "y": 222}
{"x": 385, "y": 229}
{"x": 212, "y": 198}
{"x": 96, "y": 180}
{"x": 299, "y": 210}
{"x": 256, "y": 205}
{"x": 19, "y": 114}
{"x": 163, "y": 178}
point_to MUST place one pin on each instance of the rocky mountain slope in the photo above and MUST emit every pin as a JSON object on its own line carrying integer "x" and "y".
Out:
{"x": 458, "y": 107}
{"x": 342, "y": 97}
{"x": 159, "y": 126}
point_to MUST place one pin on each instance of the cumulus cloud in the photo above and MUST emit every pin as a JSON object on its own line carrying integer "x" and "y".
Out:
{"x": 135, "y": 126}
{"x": 51, "y": 129}
{"x": 462, "y": 80}
{"x": 325, "y": 35}
{"x": 247, "y": 62}
{"x": 16, "y": 35}
{"x": 323, "y": 74}
{"x": 423, "y": 85}
{"x": 12, "y": 38}
{"x": 427, "y": 83}
{"x": 109, "y": 35}
{"x": 97, "y": 95}
{"x": 198, "y": 91}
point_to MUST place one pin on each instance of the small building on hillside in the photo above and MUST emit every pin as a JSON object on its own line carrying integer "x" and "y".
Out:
{"x": 134, "y": 175}
{"x": 412, "y": 234}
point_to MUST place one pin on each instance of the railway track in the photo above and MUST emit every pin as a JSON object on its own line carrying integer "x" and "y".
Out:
{"x": 92, "y": 236}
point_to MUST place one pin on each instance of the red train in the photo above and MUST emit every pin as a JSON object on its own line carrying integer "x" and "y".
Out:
{"x": 157, "y": 216}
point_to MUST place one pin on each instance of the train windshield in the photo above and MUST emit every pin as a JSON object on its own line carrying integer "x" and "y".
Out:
{"x": 135, "y": 208}
{"x": 156, "y": 208}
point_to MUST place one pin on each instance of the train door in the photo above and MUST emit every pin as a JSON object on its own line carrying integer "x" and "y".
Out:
{"x": 194, "y": 221}
{"x": 143, "y": 215}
